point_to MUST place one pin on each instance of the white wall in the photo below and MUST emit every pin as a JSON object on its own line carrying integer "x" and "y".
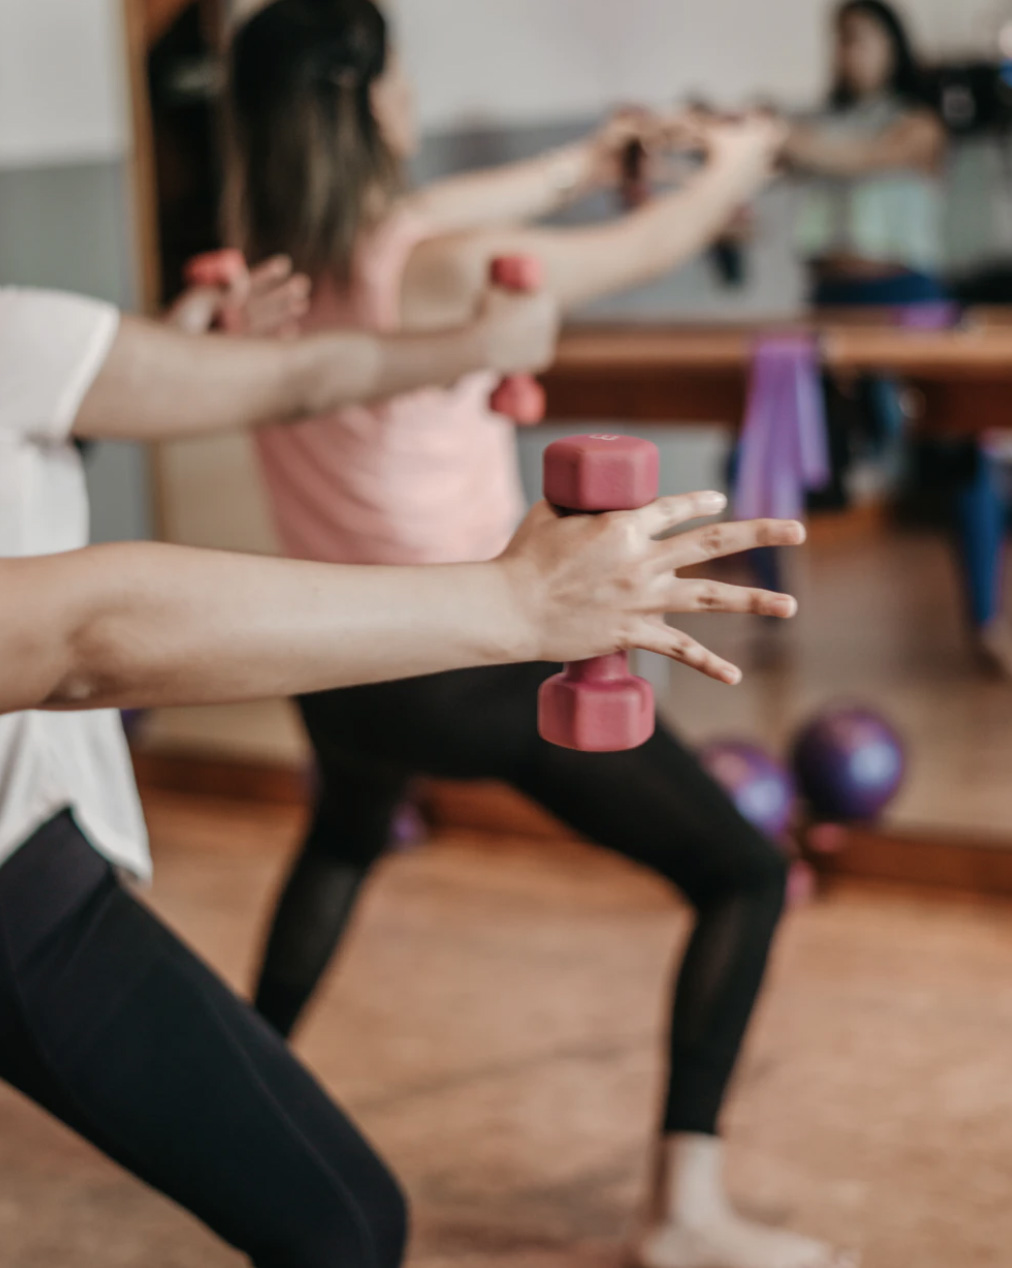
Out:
{"x": 62, "y": 95}
{"x": 62, "y": 82}
{"x": 521, "y": 60}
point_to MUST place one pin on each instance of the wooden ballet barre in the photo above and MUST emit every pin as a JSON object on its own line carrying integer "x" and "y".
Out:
{"x": 699, "y": 373}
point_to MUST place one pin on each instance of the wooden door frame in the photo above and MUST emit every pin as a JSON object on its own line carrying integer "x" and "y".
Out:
{"x": 143, "y": 184}
{"x": 144, "y": 22}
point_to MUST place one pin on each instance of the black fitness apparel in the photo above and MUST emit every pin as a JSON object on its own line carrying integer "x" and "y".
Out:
{"x": 654, "y": 805}
{"x": 111, "y": 1024}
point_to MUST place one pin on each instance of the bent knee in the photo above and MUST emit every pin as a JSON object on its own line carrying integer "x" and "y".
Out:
{"x": 362, "y": 1230}
{"x": 758, "y": 879}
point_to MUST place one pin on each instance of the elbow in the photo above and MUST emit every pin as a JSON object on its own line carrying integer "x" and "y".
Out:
{"x": 79, "y": 688}
{"x": 93, "y": 668}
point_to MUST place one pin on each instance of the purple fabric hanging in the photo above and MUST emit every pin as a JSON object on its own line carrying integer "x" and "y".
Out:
{"x": 783, "y": 452}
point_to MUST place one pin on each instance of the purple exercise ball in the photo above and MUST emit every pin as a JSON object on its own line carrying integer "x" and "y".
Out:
{"x": 760, "y": 787}
{"x": 849, "y": 762}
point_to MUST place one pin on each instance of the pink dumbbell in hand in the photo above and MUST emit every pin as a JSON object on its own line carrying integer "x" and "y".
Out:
{"x": 219, "y": 270}
{"x": 598, "y": 706}
{"x": 520, "y": 396}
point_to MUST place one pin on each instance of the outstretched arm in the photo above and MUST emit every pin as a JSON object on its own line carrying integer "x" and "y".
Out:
{"x": 159, "y": 383}
{"x": 529, "y": 190}
{"x": 915, "y": 142}
{"x": 146, "y": 624}
{"x": 583, "y": 264}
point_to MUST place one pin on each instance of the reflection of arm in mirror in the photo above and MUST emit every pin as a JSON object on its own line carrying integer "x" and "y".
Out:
{"x": 585, "y": 263}
{"x": 915, "y": 141}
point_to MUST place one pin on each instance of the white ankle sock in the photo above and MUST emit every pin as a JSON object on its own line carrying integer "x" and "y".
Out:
{"x": 694, "y": 1224}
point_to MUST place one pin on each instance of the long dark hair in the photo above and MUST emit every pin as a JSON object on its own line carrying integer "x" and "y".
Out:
{"x": 307, "y": 155}
{"x": 907, "y": 79}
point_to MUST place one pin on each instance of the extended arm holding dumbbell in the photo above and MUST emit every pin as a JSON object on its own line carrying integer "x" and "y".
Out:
{"x": 146, "y": 624}
{"x": 160, "y": 384}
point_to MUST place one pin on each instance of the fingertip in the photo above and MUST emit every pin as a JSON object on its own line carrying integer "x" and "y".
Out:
{"x": 786, "y": 606}
{"x": 732, "y": 675}
{"x": 712, "y": 500}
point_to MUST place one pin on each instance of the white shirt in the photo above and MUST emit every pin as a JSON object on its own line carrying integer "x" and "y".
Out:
{"x": 51, "y": 348}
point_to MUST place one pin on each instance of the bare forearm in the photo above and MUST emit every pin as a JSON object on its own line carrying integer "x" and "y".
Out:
{"x": 917, "y": 143}
{"x": 143, "y": 624}
{"x": 159, "y": 383}
{"x": 583, "y": 264}
{"x": 146, "y": 625}
{"x": 384, "y": 367}
{"x": 511, "y": 194}
{"x": 825, "y": 157}
{"x": 670, "y": 230}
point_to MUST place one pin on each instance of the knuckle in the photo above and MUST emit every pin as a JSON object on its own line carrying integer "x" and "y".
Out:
{"x": 679, "y": 643}
{"x": 623, "y": 525}
{"x": 708, "y": 597}
{"x": 768, "y": 534}
{"x": 713, "y": 538}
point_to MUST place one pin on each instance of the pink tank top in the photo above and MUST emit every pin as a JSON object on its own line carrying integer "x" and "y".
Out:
{"x": 428, "y": 477}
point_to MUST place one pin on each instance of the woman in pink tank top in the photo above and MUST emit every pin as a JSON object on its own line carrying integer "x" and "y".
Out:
{"x": 321, "y": 128}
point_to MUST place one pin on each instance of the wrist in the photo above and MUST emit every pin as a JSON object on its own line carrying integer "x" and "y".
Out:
{"x": 573, "y": 169}
{"x": 514, "y": 594}
{"x": 732, "y": 178}
{"x": 476, "y": 347}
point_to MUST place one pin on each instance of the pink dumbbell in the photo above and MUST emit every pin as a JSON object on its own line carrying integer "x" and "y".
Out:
{"x": 520, "y": 396}
{"x": 215, "y": 268}
{"x": 634, "y": 184}
{"x": 218, "y": 270}
{"x": 598, "y": 706}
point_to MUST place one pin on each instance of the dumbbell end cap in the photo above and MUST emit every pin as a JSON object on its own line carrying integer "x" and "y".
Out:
{"x": 596, "y": 717}
{"x": 601, "y": 473}
{"x": 518, "y": 272}
{"x": 520, "y": 398}
{"x": 215, "y": 268}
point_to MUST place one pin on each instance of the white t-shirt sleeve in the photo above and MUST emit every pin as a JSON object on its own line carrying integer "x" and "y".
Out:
{"x": 52, "y": 346}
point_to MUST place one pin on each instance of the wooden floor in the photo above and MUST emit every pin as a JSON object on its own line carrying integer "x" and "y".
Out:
{"x": 495, "y": 1027}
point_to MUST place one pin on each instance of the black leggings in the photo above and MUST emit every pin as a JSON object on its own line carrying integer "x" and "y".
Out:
{"x": 654, "y": 805}
{"x": 113, "y": 1026}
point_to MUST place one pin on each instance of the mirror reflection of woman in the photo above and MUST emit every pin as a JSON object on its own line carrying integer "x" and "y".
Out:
{"x": 871, "y": 226}
{"x": 871, "y": 233}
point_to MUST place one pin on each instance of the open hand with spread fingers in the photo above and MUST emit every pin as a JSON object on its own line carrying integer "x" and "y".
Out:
{"x": 595, "y": 584}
